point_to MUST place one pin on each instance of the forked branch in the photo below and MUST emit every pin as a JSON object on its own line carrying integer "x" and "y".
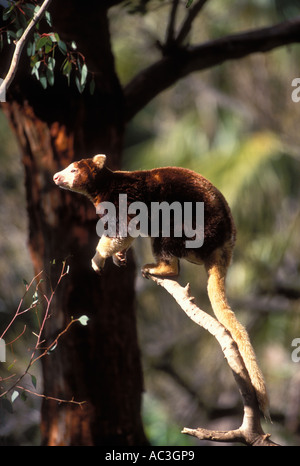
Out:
{"x": 250, "y": 432}
{"x": 154, "y": 79}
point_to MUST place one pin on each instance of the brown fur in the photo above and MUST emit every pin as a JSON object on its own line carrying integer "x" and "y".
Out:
{"x": 171, "y": 184}
{"x": 168, "y": 184}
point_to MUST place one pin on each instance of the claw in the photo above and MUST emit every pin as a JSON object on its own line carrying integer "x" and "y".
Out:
{"x": 120, "y": 259}
{"x": 145, "y": 273}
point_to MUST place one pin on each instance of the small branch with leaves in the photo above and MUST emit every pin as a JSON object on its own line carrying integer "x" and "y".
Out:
{"x": 11, "y": 386}
{"x": 21, "y": 21}
{"x": 250, "y": 432}
{"x": 19, "y": 44}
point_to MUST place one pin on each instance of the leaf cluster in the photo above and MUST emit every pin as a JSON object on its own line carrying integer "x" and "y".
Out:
{"x": 43, "y": 48}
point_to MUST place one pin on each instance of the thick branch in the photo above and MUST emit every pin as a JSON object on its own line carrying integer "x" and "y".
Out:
{"x": 166, "y": 72}
{"x": 250, "y": 432}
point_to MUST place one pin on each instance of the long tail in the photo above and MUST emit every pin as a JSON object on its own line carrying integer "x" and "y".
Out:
{"x": 217, "y": 295}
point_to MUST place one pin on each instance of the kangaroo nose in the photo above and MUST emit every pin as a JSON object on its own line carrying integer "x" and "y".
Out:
{"x": 56, "y": 177}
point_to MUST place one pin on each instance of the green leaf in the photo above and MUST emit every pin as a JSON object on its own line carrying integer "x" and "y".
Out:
{"x": 189, "y": 3}
{"x": 84, "y": 73}
{"x": 14, "y": 395}
{"x": 48, "y": 45}
{"x": 19, "y": 33}
{"x": 30, "y": 8}
{"x": 10, "y": 35}
{"x": 35, "y": 69}
{"x": 48, "y": 18}
{"x": 51, "y": 63}
{"x": 41, "y": 42}
{"x": 52, "y": 348}
{"x": 78, "y": 84}
{"x": 29, "y": 49}
{"x": 62, "y": 47}
{"x": 25, "y": 282}
{"x": 36, "y": 9}
{"x": 50, "y": 76}
{"x": 67, "y": 68}
{"x": 83, "y": 320}
{"x": 33, "y": 60}
{"x": 43, "y": 81}
{"x": 33, "y": 380}
{"x": 53, "y": 38}
{"x": 23, "y": 21}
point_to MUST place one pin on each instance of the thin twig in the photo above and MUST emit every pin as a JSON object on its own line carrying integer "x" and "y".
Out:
{"x": 17, "y": 338}
{"x": 18, "y": 311}
{"x": 54, "y": 343}
{"x": 46, "y": 397}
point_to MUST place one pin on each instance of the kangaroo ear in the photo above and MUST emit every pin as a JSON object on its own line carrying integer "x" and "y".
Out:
{"x": 99, "y": 160}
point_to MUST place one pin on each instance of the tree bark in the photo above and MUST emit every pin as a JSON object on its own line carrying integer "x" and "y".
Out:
{"x": 99, "y": 363}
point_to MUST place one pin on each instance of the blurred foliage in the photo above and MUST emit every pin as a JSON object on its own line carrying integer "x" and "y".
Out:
{"x": 14, "y": 257}
{"x": 21, "y": 426}
{"x": 238, "y": 126}
{"x": 158, "y": 427}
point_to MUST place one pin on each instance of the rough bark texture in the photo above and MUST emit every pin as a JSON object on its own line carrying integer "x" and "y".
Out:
{"x": 98, "y": 363}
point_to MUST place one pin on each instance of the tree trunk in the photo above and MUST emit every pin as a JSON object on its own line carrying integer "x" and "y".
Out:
{"x": 98, "y": 363}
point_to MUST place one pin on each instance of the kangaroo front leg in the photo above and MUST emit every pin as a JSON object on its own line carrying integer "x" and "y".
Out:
{"x": 108, "y": 247}
{"x": 120, "y": 258}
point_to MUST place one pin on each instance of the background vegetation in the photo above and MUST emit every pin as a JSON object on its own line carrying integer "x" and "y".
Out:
{"x": 238, "y": 126}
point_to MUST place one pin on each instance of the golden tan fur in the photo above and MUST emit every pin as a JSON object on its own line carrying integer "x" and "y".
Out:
{"x": 216, "y": 268}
